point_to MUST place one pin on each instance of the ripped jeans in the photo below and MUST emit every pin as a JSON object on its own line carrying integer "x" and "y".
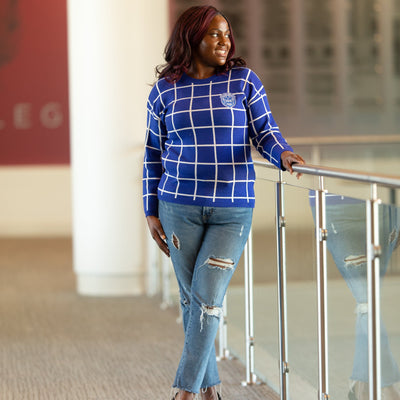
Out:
{"x": 346, "y": 225}
{"x": 205, "y": 244}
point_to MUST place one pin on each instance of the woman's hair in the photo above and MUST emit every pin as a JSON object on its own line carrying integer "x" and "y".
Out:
{"x": 186, "y": 36}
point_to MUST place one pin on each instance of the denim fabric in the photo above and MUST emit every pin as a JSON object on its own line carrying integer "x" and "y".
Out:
{"x": 205, "y": 245}
{"x": 346, "y": 225}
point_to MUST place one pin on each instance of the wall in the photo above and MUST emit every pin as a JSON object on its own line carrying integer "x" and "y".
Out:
{"x": 36, "y": 200}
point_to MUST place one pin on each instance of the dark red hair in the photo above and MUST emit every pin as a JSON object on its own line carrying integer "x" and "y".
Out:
{"x": 186, "y": 36}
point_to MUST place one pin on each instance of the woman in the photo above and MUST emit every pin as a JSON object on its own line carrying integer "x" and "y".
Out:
{"x": 198, "y": 179}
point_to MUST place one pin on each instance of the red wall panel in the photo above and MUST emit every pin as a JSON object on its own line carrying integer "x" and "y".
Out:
{"x": 34, "y": 123}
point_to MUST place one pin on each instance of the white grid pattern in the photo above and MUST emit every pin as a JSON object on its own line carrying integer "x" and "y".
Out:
{"x": 198, "y": 141}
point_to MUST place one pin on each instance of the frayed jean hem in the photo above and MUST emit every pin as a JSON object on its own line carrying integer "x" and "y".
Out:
{"x": 192, "y": 391}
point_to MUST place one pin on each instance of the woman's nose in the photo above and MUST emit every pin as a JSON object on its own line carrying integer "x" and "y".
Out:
{"x": 223, "y": 40}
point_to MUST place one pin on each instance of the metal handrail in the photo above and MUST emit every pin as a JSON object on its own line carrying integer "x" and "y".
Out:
{"x": 358, "y": 176}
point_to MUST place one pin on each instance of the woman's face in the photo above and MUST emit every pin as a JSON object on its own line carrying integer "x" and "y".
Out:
{"x": 214, "y": 48}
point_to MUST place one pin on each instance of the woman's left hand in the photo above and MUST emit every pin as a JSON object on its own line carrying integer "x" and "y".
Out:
{"x": 288, "y": 158}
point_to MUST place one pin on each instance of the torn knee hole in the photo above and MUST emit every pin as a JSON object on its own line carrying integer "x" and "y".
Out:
{"x": 361, "y": 308}
{"x": 355, "y": 261}
{"x": 176, "y": 242}
{"x": 210, "y": 311}
{"x": 221, "y": 262}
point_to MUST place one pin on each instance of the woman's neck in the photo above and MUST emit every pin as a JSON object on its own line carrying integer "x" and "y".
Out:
{"x": 198, "y": 71}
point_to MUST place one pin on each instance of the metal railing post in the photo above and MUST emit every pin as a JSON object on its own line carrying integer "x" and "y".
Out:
{"x": 282, "y": 299}
{"x": 251, "y": 378}
{"x": 373, "y": 276}
{"x": 321, "y": 237}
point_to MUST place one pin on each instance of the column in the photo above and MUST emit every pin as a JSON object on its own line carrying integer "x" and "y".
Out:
{"x": 113, "y": 49}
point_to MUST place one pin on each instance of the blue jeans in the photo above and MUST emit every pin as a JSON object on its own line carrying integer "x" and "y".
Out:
{"x": 346, "y": 225}
{"x": 205, "y": 245}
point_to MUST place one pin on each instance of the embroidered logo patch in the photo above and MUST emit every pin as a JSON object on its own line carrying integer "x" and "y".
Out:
{"x": 228, "y": 99}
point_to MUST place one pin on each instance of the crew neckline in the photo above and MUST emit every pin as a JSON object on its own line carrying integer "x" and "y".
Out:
{"x": 201, "y": 80}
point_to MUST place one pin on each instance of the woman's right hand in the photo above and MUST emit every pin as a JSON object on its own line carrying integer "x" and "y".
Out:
{"x": 157, "y": 233}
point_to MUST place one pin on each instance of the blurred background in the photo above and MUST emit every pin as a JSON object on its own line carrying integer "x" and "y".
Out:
{"x": 74, "y": 80}
{"x": 331, "y": 69}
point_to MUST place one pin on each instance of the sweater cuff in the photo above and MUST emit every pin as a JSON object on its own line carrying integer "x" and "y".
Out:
{"x": 152, "y": 207}
{"x": 279, "y": 153}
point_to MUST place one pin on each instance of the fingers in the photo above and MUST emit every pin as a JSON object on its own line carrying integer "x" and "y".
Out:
{"x": 162, "y": 244}
{"x": 289, "y": 158}
{"x": 298, "y": 160}
{"x": 157, "y": 233}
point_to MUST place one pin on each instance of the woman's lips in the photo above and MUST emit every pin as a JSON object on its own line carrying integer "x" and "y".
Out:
{"x": 221, "y": 53}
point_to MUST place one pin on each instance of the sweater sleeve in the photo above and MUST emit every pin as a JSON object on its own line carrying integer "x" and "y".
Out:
{"x": 156, "y": 135}
{"x": 263, "y": 130}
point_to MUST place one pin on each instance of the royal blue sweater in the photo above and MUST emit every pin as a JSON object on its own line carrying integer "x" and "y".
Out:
{"x": 198, "y": 140}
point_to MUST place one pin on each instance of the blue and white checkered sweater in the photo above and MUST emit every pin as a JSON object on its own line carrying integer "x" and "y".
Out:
{"x": 198, "y": 147}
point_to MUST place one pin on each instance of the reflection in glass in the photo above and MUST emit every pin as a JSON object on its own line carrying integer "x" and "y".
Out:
{"x": 346, "y": 225}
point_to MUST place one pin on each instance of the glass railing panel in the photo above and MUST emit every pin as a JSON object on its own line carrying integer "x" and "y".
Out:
{"x": 389, "y": 219}
{"x": 301, "y": 295}
{"x": 264, "y": 291}
{"x": 266, "y": 347}
{"x": 347, "y": 292}
{"x": 392, "y": 196}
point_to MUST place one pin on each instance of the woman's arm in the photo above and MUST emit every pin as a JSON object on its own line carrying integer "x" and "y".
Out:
{"x": 263, "y": 130}
{"x": 152, "y": 170}
{"x": 156, "y": 135}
